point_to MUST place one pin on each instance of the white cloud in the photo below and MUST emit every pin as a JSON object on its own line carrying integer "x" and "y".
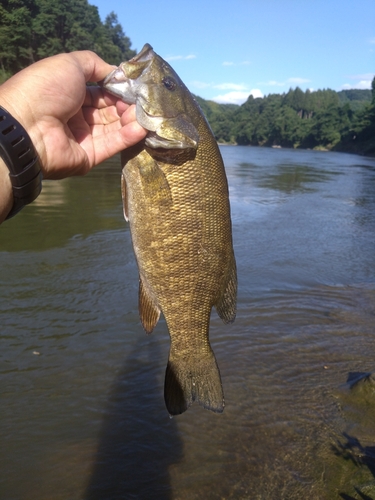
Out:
{"x": 293, "y": 80}
{"x": 234, "y": 97}
{"x": 228, "y": 63}
{"x": 273, "y": 83}
{"x": 363, "y": 81}
{"x": 230, "y": 86}
{"x": 236, "y": 93}
{"x": 362, "y": 76}
{"x": 298, "y": 80}
{"x": 372, "y": 41}
{"x": 179, "y": 58}
{"x": 200, "y": 85}
{"x": 256, "y": 93}
{"x": 362, "y": 84}
{"x": 237, "y": 96}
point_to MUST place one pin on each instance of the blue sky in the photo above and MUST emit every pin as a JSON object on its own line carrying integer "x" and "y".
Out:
{"x": 226, "y": 50}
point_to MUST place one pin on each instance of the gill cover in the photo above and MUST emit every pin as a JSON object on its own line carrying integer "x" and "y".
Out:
{"x": 159, "y": 95}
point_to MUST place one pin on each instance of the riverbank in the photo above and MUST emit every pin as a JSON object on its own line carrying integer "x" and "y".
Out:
{"x": 362, "y": 149}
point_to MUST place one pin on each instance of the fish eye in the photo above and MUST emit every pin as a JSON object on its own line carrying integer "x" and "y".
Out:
{"x": 169, "y": 83}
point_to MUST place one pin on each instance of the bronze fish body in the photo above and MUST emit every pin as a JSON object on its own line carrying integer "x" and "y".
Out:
{"x": 175, "y": 196}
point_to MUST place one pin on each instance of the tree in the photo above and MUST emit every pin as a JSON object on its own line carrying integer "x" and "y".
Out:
{"x": 64, "y": 26}
{"x": 33, "y": 29}
{"x": 15, "y": 34}
{"x": 120, "y": 43}
{"x": 287, "y": 126}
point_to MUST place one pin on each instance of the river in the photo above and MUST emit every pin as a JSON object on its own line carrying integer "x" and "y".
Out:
{"x": 82, "y": 410}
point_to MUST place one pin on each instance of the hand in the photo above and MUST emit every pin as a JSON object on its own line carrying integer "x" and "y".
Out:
{"x": 73, "y": 127}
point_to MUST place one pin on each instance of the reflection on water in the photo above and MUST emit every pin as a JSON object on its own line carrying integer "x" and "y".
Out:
{"x": 285, "y": 177}
{"x": 73, "y": 207}
{"x": 299, "y": 178}
{"x": 82, "y": 410}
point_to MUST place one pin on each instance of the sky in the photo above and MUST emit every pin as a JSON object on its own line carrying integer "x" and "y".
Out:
{"x": 226, "y": 50}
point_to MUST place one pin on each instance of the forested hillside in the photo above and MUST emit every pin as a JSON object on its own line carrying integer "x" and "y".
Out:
{"x": 324, "y": 119}
{"x": 33, "y": 29}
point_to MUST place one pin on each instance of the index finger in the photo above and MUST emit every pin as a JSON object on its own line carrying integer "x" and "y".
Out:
{"x": 93, "y": 66}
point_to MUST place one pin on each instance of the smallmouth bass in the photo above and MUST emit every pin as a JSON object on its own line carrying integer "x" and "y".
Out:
{"x": 175, "y": 197}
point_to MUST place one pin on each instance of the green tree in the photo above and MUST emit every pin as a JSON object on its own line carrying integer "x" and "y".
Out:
{"x": 64, "y": 26}
{"x": 326, "y": 128}
{"x": 118, "y": 49}
{"x": 33, "y": 29}
{"x": 15, "y": 34}
{"x": 287, "y": 127}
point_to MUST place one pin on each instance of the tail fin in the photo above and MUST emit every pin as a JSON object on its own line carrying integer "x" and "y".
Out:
{"x": 190, "y": 379}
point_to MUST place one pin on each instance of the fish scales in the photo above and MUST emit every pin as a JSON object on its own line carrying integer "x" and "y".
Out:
{"x": 176, "y": 200}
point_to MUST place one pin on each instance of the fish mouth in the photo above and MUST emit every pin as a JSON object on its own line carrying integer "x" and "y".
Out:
{"x": 115, "y": 76}
{"x": 121, "y": 80}
{"x": 117, "y": 84}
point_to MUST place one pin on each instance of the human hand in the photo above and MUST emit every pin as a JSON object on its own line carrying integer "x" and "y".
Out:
{"x": 73, "y": 127}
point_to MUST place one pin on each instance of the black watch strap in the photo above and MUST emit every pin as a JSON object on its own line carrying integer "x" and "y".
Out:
{"x": 19, "y": 155}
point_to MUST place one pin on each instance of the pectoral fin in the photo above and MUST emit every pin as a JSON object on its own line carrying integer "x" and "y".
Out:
{"x": 226, "y": 305}
{"x": 154, "y": 182}
{"x": 148, "y": 311}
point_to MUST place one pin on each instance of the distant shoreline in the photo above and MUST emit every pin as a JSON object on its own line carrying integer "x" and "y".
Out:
{"x": 322, "y": 149}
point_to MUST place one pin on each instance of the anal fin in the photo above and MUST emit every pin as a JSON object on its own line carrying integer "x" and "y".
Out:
{"x": 227, "y": 304}
{"x": 149, "y": 312}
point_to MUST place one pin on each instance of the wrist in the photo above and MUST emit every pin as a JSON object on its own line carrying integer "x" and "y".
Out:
{"x": 19, "y": 156}
{"x": 6, "y": 195}
{"x": 13, "y": 101}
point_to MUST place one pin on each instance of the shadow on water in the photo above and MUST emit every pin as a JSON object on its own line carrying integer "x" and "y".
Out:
{"x": 138, "y": 442}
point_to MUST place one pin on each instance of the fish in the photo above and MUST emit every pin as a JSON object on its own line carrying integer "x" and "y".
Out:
{"x": 176, "y": 200}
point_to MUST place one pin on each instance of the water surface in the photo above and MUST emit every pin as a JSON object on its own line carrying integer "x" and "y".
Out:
{"x": 82, "y": 411}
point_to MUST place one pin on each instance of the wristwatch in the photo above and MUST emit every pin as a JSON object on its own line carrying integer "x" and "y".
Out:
{"x": 19, "y": 155}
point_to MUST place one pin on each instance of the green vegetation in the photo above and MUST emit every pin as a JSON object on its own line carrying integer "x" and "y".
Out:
{"x": 356, "y": 98}
{"x": 33, "y": 29}
{"x": 324, "y": 119}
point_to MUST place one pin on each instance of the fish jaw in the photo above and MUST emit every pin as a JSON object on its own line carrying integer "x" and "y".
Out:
{"x": 124, "y": 80}
{"x": 119, "y": 85}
